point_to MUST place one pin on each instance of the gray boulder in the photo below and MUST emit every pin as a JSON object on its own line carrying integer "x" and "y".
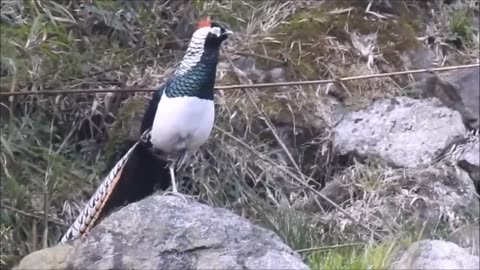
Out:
{"x": 436, "y": 254}
{"x": 468, "y": 237}
{"x": 470, "y": 163}
{"x": 458, "y": 89}
{"x": 403, "y": 132}
{"x": 165, "y": 232}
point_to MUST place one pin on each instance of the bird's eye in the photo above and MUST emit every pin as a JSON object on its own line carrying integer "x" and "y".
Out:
{"x": 216, "y": 31}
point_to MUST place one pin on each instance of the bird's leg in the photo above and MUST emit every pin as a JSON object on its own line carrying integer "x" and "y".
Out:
{"x": 171, "y": 168}
{"x": 171, "y": 162}
{"x": 182, "y": 158}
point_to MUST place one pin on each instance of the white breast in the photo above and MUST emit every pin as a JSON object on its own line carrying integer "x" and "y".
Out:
{"x": 182, "y": 123}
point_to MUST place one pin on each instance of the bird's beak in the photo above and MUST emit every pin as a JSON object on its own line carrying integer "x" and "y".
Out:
{"x": 228, "y": 32}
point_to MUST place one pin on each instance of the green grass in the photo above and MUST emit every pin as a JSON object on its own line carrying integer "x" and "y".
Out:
{"x": 42, "y": 168}
{"x": 375, "y": 256}
{"x": 323, "y": 251}
{"x": 461, "y": 25}
{"x": 40, "y": 171}
{"x": 49, "y": 159}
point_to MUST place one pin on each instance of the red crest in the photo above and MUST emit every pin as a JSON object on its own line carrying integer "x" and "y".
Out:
{"x": 206, "y": 22}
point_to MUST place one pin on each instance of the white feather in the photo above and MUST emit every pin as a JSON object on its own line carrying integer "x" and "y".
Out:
{"x": 216, "y": 31}
{"x": 194, "y": 51}
{"x": 182, "y": 123}
{"x": 195, "y": 48}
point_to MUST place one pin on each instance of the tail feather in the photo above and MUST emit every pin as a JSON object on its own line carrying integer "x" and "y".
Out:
{"x": 91, "y": 212}
{"x": 136, "y": 175}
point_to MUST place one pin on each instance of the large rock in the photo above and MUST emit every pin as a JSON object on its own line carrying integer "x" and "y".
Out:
{"x": 468, "y": 237}
{"x": 436, "y": 254}
{"x": 403, "y": 132}
{"x": 52, "y": 258}
{"x": 429, "y": 200}
{"x": 470, "y": 163}
{"x": 165, "y": 232}
{"x": 458, "y": 89}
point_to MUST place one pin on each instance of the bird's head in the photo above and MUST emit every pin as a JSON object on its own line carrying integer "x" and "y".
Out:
{"x": 210, "y": 34}
{"x": 205, "y": 42}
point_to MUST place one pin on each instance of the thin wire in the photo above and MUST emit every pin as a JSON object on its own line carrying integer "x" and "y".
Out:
{"x": 243, "y": 86}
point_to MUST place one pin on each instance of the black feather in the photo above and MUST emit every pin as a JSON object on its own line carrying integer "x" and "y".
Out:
{"x": 144, "y": 173}
{"x": 141, "y": 176}
{"x": 151, "y": 109}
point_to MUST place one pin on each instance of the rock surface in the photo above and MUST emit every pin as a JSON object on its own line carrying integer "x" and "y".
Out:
{"x": 428, "y": 200}
{"x": 467, "y": 237}
{"x": 458, "y": 89}
{"x": 403, "y": 132}
{"x": 470, "y": 163}
{"x": 165, "y": 232}
{"x": 436, "y": 254}
{"x": 55, "y": 257}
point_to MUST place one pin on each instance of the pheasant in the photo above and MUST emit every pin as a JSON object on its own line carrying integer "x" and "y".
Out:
{"x": 177, "y": 121}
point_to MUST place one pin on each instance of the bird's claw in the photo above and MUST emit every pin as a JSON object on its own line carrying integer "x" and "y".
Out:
{"x": 178, "y": 194}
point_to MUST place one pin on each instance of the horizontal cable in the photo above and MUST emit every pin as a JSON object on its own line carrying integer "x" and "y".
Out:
{"x": 243, "y": 86}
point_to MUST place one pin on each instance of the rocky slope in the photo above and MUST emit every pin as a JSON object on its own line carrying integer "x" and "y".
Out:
{"x": 362, "y": 161}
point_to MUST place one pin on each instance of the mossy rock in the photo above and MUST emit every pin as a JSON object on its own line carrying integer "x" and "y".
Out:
{"x": 308, "y": 38}
{"x": 304, "y": 35}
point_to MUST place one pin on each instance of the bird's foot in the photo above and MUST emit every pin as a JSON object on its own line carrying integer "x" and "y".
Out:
{"x": 174, "y": 185}
{"x": 178, "y": 194}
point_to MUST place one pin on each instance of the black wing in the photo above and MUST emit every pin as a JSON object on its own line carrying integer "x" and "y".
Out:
{"x": 149, "y": 115}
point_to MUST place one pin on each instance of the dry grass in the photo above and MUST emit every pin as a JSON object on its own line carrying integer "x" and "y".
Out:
{"x": 52, "y": 148}
{"x": 270, "y": 149}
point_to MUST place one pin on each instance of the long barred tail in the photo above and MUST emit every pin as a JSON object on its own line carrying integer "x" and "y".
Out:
{"x": 90, "y": 213}
{"x": 136, "y": 175}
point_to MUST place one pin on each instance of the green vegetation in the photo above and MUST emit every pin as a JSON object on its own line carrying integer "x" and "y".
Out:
{"x": 311, "y": 38}
{"x": 315, "y": 28}
{"x": 322, "y": 251}
{"x": 366, "y": 257}
{"x": 40, "y": 171}
{"x": 56, "y": 149}
{"x": 51, "y": 148}
{"x": 461, "y": 25}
